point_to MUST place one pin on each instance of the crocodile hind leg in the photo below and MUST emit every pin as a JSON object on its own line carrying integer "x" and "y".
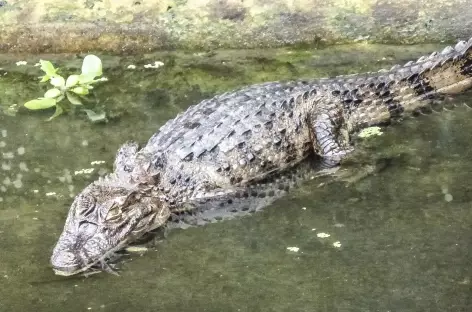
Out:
{"x": 330, "y": 139}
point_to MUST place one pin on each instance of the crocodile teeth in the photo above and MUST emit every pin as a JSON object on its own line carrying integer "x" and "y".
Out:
{"x": 434, "y": 54}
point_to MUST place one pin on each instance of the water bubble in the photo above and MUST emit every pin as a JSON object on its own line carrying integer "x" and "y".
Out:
{"x": 444, "y": 189}
{"x": 4, "y": 133}
{"x": 102, "y": 171}
{"x": 6, "y": 166}
{"x": 448, "y": 197}
{"x": 67, "y": 176}
{"x": 7, "y": 181}
{"x": 21, "y": 150}
{"x": 23, "y": 166}
{"x": 84, "y": 143}
{"x": 8, "y": 155}
{"x": 17, "y": 184}
{"x": 3, "y": 144}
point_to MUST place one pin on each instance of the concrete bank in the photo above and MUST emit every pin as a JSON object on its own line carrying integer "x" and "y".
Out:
{"x": 136, "y": 26}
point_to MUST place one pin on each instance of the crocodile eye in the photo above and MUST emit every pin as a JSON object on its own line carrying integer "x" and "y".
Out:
{"x": 114, "y": 213}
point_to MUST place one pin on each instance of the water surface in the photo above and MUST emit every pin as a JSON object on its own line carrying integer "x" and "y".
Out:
{"x": 399, "y": 239}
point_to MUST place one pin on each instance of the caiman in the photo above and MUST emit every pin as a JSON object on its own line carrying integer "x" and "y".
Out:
{"x": 222, "y": 150}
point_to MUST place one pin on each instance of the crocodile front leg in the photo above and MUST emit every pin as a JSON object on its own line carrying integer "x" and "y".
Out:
{"x": 124, "y": 161}
{"x": 330, "y": 139}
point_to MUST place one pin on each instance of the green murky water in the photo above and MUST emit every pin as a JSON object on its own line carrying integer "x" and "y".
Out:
{"x": 399, "y": 240}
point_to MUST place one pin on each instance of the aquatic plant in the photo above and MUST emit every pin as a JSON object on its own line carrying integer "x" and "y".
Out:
{"x": 75, "y": 88}
{"x": 370, "y": 131}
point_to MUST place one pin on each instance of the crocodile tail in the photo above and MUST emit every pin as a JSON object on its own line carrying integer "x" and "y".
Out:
{"x": 375, "y": 98}
{"x": 445, "y": 72}
{"x": 432, "y": 77}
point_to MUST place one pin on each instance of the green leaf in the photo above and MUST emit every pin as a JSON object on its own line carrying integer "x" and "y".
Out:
{"x": 74, "y": 99}
{"x": 58, "y": 112}
{"x": 72, "y": 80}
{"x": 41, "y": 103}
{"x": 84, "y": 79}
{"x": 80, "y": 90}
{"x": 48, "y": 68}
{"x": 92, "y": 66}
{"x": 58, "y": 81}
{"x": 94, "y": 117}
{"x": 52, "y": 93}
{"x": 45, "y": 78}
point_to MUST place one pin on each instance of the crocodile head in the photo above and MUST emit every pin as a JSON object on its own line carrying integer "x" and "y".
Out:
{"x": 104, "y": 219}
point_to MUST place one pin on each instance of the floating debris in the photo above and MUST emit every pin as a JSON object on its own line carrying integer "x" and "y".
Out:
{"x": 323, "y": 235}
{"x": 131, "y": 66}
{"x": 303, "y": 208}
{"x": 84, "y": 171}
{"x": 51, "y": 194}
{"x": 337, "y": 244}
{"x": 156, "y": 64}
{"x": 136, "y": 249}
{"x": 21, "y": 63}
{"x": 97, "y": 162}
{"x": 293, "y": 249}
{"x": 448, "y": 197}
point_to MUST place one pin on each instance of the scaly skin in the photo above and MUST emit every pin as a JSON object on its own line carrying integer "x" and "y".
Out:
{"x": 238, "y": 143}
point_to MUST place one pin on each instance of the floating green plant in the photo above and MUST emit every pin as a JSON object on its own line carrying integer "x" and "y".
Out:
{"x": 370, "y": 131}
{"x": 75, "y": 88}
